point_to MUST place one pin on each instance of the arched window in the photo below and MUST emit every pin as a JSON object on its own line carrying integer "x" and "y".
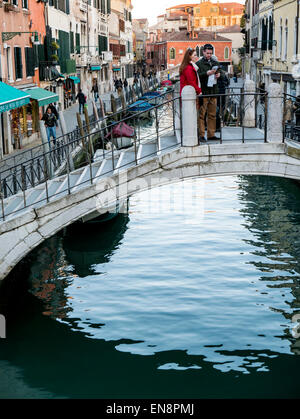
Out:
{"x": 226, "y": 53}
{"x": 172, "y": 53}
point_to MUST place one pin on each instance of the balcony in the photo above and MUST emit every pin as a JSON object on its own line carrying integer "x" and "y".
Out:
{"x": 83, "y": 6}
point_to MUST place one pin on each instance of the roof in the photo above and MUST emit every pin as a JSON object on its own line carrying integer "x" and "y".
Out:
{"x": 12, "y": 98}
{"x": 202, "y": 36}
{"x": 230, "y": 29}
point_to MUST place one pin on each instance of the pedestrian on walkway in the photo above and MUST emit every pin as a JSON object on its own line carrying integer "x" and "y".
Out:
{"x": 209, "y": 71}
{"x": 50, "y": 124}
{"x": 125, "y": 84}
{"x": 82, "y": 100}
{"x": 95, "y": 90}
{"x": 53, "y": 109}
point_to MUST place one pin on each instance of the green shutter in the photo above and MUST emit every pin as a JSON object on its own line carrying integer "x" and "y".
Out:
{"x": 71, "y": 42}
{"x": 29, "y": 58}
{"x": 18, "y": 63}
{"x": 108, "y": 6}
{"x": 64, "y": 50}
{"x": 78, "y": 43}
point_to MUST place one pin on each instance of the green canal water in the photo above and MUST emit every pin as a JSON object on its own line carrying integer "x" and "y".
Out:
{"x": 194, "y": 293}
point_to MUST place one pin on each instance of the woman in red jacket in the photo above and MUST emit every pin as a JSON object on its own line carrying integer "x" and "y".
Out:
{"x": 188, "y": 71}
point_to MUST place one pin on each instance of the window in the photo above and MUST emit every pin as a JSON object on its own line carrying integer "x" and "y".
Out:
{"x": 172, "y": 53}
{"x": 226, "y": 53}
{"x": 25, "y": 4}
{"x": 295, "y": 36}
{"x": 286, "y": 40}
{"x": 9, "y": 63}
{"x": 29, "y": 58}
{"x": 18, "y": 63}
{"x": 279, "y": 49}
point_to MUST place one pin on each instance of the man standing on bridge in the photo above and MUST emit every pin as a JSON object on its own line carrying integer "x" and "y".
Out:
{"x": 209, "y": 72}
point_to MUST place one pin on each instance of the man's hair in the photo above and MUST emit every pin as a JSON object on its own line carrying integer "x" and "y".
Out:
{"x": 208, "y": 46}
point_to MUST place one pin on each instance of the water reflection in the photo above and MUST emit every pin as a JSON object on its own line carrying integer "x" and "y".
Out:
{"x": 148, "y": 306}
{"x": 75, "y": 252}
{"x": 273, "y": 218}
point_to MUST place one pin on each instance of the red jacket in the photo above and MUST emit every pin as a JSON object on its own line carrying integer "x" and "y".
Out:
{"x": 189, "y": 78}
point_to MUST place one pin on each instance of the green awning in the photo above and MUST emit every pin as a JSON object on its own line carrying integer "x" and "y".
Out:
{"x": 76, "y": 80}
{"x": 95, "y": 67}
{"x": 116, "y": 69}
{"x": 43, "y": 97}
{"x": 11, "y": 98}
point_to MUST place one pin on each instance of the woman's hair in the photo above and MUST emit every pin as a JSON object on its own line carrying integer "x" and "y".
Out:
{"x": 186, "y": 59}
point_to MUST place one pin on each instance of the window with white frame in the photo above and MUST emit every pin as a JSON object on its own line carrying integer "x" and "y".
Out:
{"x": 286, "y": 37}
{"x": 226, "y": 53}
{"x": 279, "y": 48}
{"x": 172, "y": 53}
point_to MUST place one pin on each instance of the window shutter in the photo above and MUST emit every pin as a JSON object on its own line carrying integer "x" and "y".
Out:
{"x": 18, "y": 63}
{"x": 71, "y": 42}
{"x": 78, "y": 43}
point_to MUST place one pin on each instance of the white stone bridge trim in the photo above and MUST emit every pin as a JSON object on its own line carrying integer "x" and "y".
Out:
{"x": 26, "y": 231}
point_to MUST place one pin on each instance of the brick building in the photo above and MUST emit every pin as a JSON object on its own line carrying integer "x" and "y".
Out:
{"x": 169, "y": 48}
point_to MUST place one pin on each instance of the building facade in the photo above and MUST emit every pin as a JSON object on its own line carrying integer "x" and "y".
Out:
{"x": 272, "y": 51}
{"x": 168, "y": 51}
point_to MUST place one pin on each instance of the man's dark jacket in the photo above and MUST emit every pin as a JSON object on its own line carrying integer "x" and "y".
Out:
{"x": 50, "y": 119}
{"x": 81, "y": 98}
{"x": 204, "y": 67}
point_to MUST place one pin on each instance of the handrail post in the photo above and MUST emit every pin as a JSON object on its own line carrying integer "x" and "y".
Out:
{"x": 275, "y": 113}
{"x": 189, "y": 116}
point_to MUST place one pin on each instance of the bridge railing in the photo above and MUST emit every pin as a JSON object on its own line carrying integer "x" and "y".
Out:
{"x": 166, "y": 117}
{"x": 291, "y": 119}
{"x": 29, "y": 170}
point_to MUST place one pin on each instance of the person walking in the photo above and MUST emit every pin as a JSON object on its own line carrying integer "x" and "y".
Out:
{"x": 82, "y": 100}
{"x": 209, "y": 72}
{"x": 53, "y": 109}
{"x": 95, "y": 90}
{"x": 50, "y": 123}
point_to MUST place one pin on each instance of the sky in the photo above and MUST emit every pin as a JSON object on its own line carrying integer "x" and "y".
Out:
{"x": 150, "y": 9}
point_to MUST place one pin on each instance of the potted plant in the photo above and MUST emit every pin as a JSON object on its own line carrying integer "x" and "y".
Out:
{"x": 54, "y": 58}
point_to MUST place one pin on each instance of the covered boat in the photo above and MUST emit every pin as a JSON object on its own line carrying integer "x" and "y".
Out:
{"x": 121, "y": 135}
{"x": 141, "y": 106}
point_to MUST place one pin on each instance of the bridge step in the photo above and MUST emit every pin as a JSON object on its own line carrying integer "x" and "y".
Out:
{"x": 146, "y": 150}
{"x": 14, "y": 204}
{"x": 126, "y": 159}
{"x": 167, "y": 142}
{"x": 85, "y": 178}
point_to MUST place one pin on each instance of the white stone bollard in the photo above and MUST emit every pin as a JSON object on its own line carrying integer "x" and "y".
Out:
{"x": 249, "y": 104}
{"x": 275, "y": 113}
{"x": 189, "y": 117}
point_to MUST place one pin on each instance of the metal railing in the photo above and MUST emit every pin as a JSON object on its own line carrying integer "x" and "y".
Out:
{"x": 291, "y": 124}
{"x": 234, "y": 110}
{"x": 163, "y": 121}
{"x": 30, "y": 169}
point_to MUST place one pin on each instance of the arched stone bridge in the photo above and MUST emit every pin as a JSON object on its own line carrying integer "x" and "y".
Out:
{"x": 95, "y": 188}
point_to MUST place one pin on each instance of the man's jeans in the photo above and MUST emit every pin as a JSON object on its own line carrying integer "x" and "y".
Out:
{"x": 51, "y": 132}
{"x": 81, "y": 105}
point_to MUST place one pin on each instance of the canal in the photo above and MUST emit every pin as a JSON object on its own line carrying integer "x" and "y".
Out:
{"x": 194, "y": 293}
